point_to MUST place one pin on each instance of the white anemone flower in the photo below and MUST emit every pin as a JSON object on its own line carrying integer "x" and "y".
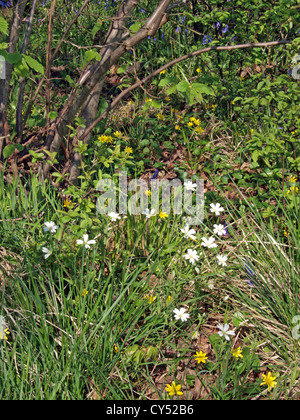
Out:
{"x": 181, "y": 314}
{"x": 50, "y": 226}
{"x": 114, "y": 216}
{"x": 188, "y": 233}
{"x": 86, "y": 241}
{"x": 222, "y": 260}
{"x": 219, "y": 230}
{"x": 209, "y": 243}
{"x": 191, "y": 255}
{"x": 149, "y": 213}
{"x": 224, "y": 331}
{"x": 216, "y": 208}
{"x": 47, "y": 252}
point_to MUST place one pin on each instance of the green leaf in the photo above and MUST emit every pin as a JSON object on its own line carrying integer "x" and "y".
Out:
{"x": 135, "y": 27}
{"x": 21, "y": 68}
{"x": 3, "y": 26}
{"x": 92, "y": 55}
{"x": 183, "y": 86}
{"x": 8, "y": 150}
{"x": 34, "y": 64}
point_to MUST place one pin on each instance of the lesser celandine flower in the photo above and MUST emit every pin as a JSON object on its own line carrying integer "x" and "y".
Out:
{"x": 67, "y": 203}
{"x": 117, "y": 134}
{"x": 181, "y": 314}
{"x": 85, "y": 241}
{"x": 84, "y": 293}
{"x": 200, "y": 357}
{"x": 224, "y": 331}
{"x": 148, "y": 193}
{"x": 150, "y": 298}
{"x": 237, "y": 353}
{"x": 128, "y": 150}
{"x": 50, "y": 227}
{"x": 173, "y": 389}
{"x": 269, "y": 380}
{"x": 105, "y": 139}
{"x": 4, "y": 332}
{"x": 160, "y": 117}
{"x": 191, "y": 255}
{"x": 163, "y": 214}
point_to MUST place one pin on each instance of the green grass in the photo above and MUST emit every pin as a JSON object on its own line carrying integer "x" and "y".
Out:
{"x": 62, "y": 341}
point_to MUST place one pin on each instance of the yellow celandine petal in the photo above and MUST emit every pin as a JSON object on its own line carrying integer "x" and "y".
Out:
{"x": 198, "y": 70}
{"x": 269, "y": 380}
{"x": 200, "y": 357}
{"x": 128, "y": 150}
{"x": 190, "y": 124}
{"x": 163, "y": 215}
{"x": 150, "y": 298}
{"x": 85, "y": 292}
{"x": 177, "y": 127}
{"x": 105, "y": 139}
{"x": 237, "y": 353}
{"x": 4, "y": 334}
{"x": 117, "y": 134}
{"x": 67, "y": 203}
{"x": 173, "y": 389}
{"x": 148, "y": 193}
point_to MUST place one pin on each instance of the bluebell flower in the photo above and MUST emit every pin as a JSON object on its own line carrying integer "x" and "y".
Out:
{"x": 225, "y": 30}
{"x": 155, "y": 174}
{"x": 207, "y": 39}
{"x": 217, "y": 25}
{"x": 249, "y": 271}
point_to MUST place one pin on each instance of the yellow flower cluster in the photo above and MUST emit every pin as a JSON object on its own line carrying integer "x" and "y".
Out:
{"x": 105, "y": 139}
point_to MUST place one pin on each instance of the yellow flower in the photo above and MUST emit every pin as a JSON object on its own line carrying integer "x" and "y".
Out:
{"x": 269, "y": 380}
{"x": 117, "y": 134}
{"x": 237, "y": 353}
{"x": 286, "y": 232}
{"x": 84, "y": 293}
{"x": 4, "y": 334}
{"x": 67, "y": 203}
{"x": 148, "y": 193}
{"x": 199, "y": 130}
{"x": 177, "y": 127}
{"x": 160, "y": 117}
{"x": 198, "y": 70}
{"x": 163, "y": 72}
{"x": 105, "y": 139}
{"x": 150, "y": 298}
{"x": 173, "y": 389}
{"x": 293, "y": 190}
{"x": 169, "y": 298}
{"x": 197, "y": 122}
{"x": 163, "y": 215}
{"x": 251, "y": 130}
{"x": 214, "y": 106}
{"x": 232, "y": 102}
{"x": 167, "y": 98}
{"x": 200, "y": 357}
{"x": 190, "y": 124}
{"x": 292, "y": 179}
{"x": 128, "y": 150}
{"x": 192, "y": 119}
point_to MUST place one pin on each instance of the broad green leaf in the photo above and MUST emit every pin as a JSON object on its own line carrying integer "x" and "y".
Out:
{"x": 34, "y": 64}
{"x": 8, "y": 150}
{"x": 3, "y": 26}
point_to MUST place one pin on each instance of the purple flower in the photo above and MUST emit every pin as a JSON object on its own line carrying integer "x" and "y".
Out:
{"x": 207, "y": 39}
{"x": 249, "y": 271}
{"x": 217, "y": 25}
{"x": 155, "y": 174}
{"x": 226, "y": 29}
{"x": 250, "y": 282}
